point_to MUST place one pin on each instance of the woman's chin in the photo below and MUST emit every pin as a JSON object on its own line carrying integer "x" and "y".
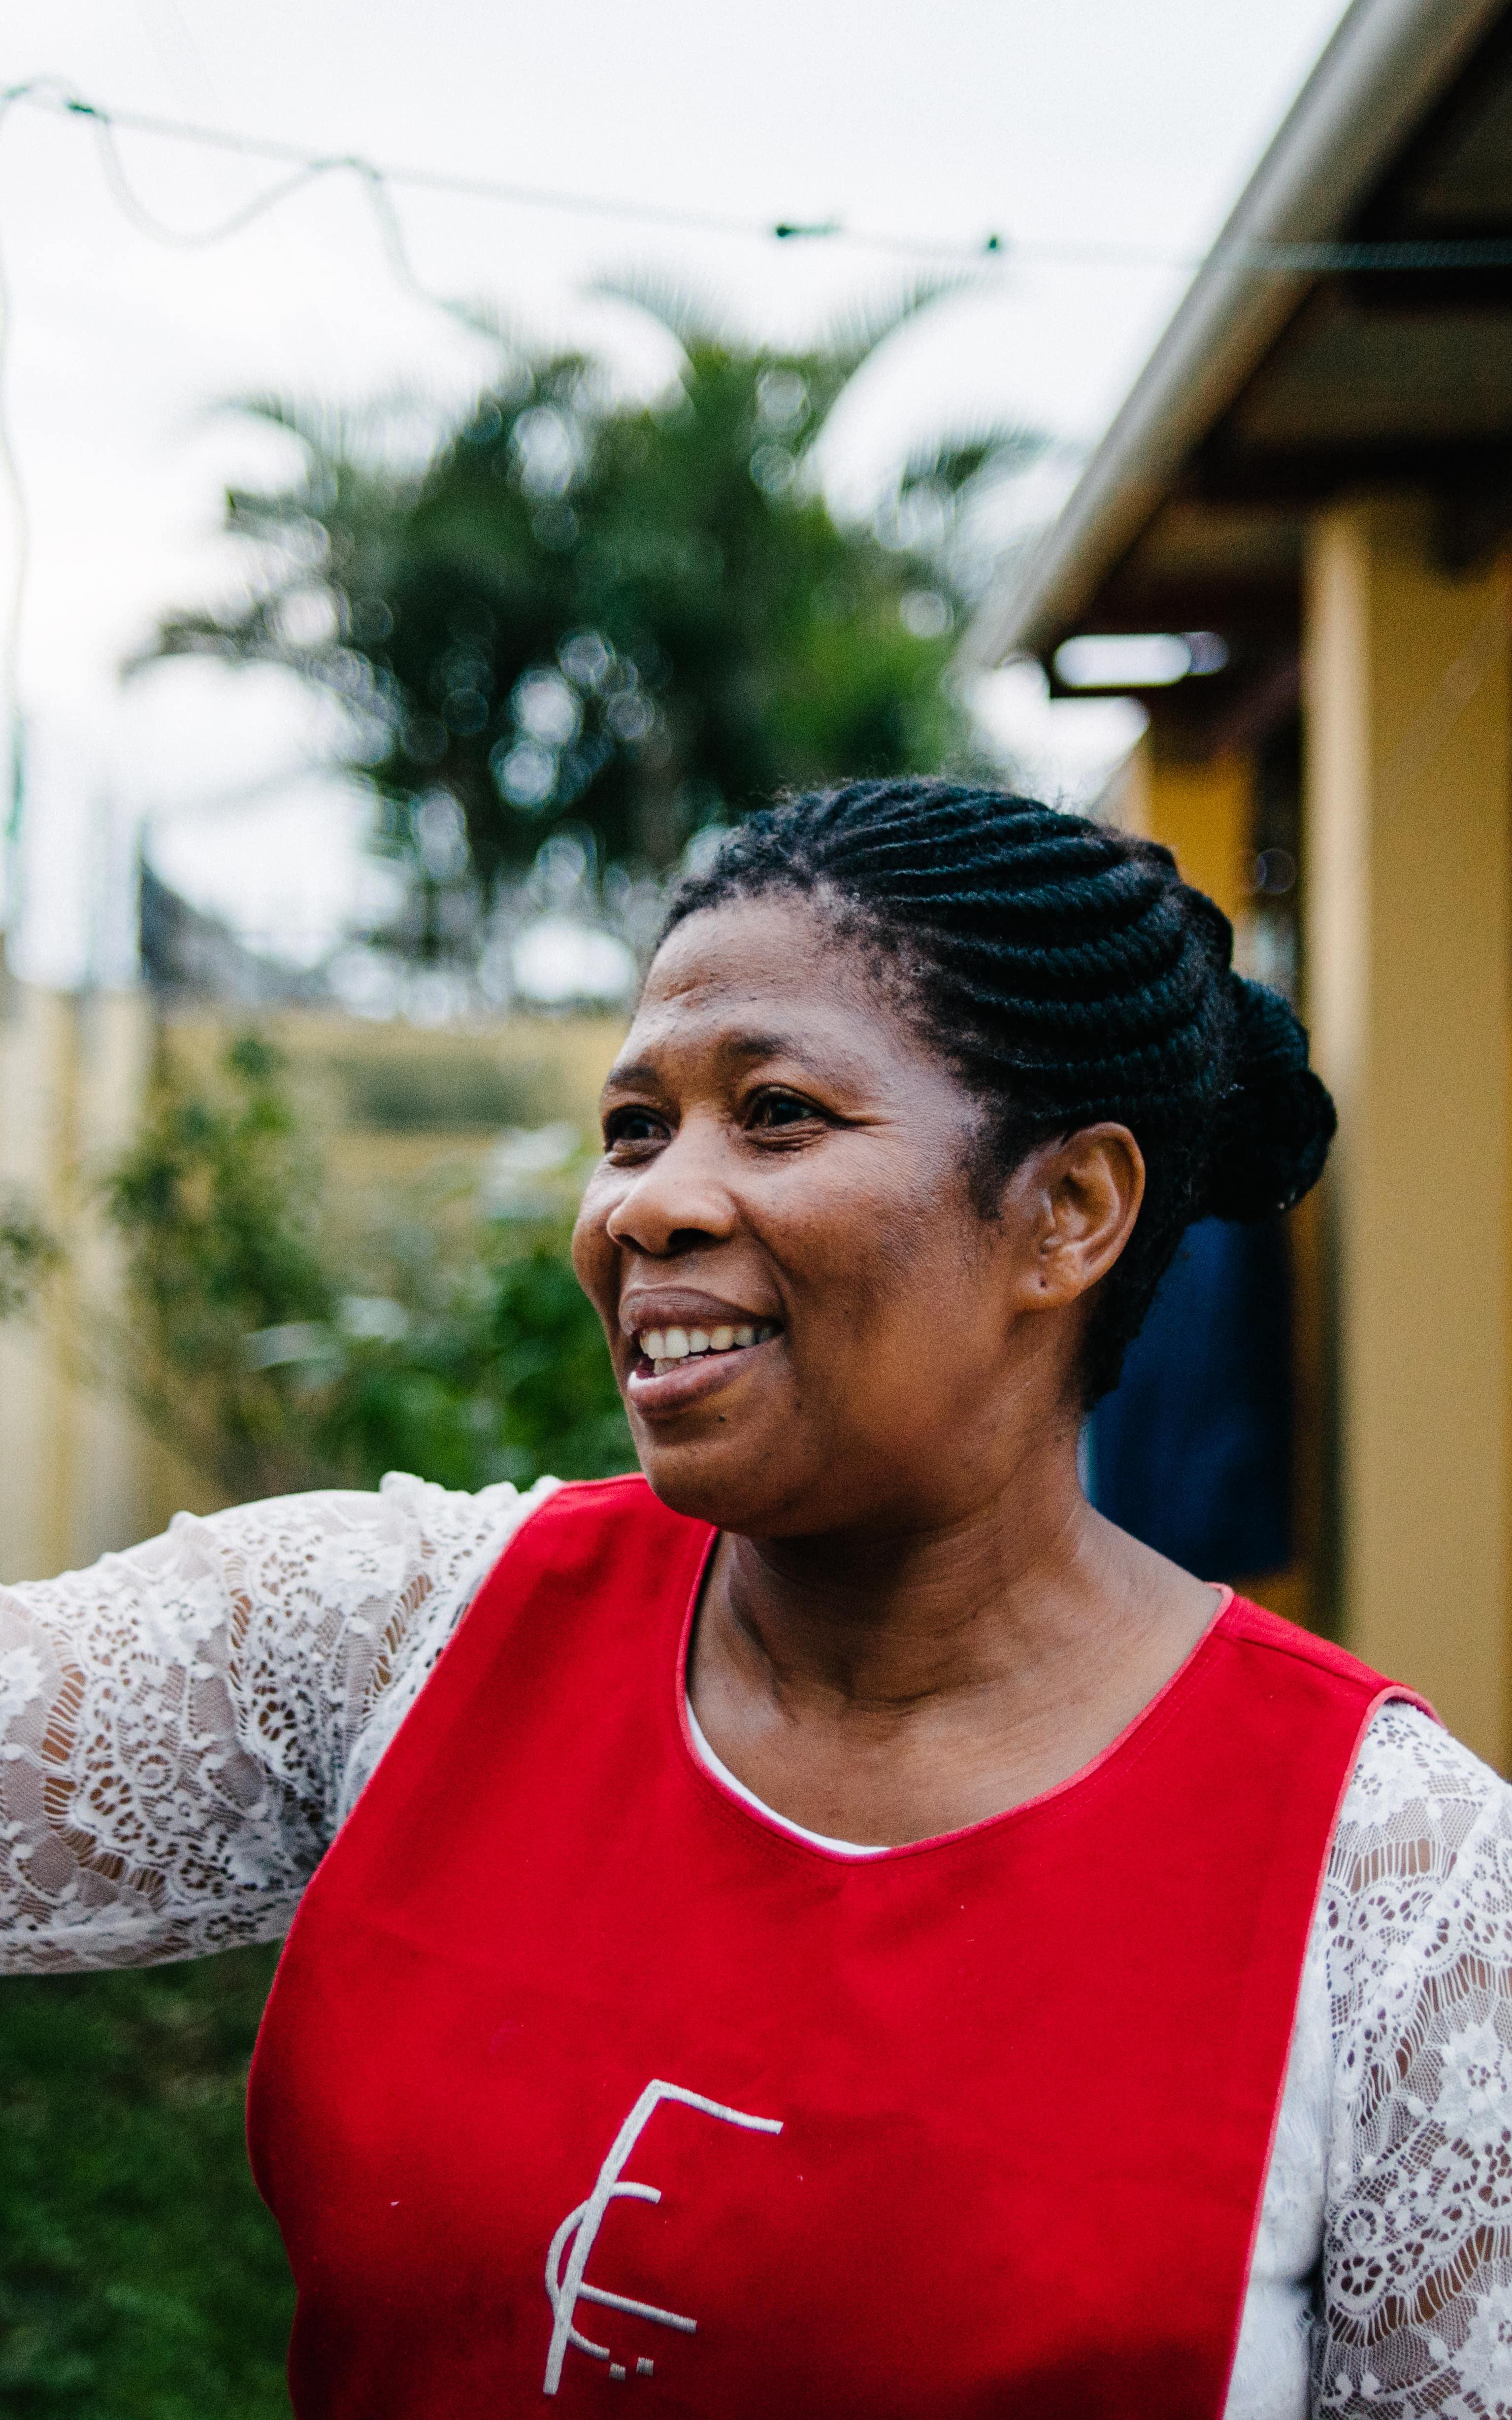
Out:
{"x": 727, "y": 1482}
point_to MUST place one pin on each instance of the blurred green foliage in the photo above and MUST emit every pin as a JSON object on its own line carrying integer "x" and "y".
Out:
{"x": 28, "y": 1254}
{"x": 637, "y": 620}
{"x": 277, "y": 1351}
{"x": 140, "y": 2276}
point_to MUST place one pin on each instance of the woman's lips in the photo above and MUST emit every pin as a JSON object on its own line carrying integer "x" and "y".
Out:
{"x": 688, "y": 1381}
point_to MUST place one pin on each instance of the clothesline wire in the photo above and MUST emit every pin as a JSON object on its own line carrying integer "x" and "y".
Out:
{"x": 51, "y": 95}
{"x": 1296, "y": 258}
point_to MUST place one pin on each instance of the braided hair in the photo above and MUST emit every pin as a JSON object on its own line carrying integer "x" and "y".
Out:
{"x": 1068, "y": 975}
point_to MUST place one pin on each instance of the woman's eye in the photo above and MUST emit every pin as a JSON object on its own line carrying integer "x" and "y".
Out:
{"x": 783, "y": 1109}
{"x": 630, "y": 1126}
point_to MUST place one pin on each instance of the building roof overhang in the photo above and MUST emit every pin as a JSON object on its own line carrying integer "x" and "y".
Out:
{"x": 1275, "y": 388}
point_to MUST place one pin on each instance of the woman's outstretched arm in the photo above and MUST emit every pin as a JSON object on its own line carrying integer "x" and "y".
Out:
{"x": 183, "y": 1726}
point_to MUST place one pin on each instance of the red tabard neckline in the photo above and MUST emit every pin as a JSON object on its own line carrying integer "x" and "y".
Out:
{"x": 583, "y": 2087}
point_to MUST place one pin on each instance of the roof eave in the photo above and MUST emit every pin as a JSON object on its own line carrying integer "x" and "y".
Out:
{"x": 1386, "y": 64}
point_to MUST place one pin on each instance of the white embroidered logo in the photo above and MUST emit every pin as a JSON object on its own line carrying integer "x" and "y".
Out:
{"x": 580, "y": 2229}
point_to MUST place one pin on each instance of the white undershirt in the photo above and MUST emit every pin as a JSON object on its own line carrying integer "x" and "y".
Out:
{"x": 183, "y": 1730}
{"x": 799, "y": 1831}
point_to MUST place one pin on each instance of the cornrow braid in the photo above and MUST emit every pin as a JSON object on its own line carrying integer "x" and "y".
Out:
{"x": 1068, "y": 975}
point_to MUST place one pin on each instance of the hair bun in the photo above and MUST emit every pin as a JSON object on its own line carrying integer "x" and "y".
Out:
{"x": 1277, "y": 1120}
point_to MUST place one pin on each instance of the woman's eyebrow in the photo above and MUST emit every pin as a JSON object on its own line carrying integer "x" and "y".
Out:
{"x": 744, "y": 1047}
{"x": 636, "y": 1072}
{"x": 747, "y": 1046}
{"x": 825, "y": 1060}
{"x": 745, "y": 1050}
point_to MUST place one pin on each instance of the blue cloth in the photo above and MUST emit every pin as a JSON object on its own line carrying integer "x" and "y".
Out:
{"x": 1191, "y": 1451}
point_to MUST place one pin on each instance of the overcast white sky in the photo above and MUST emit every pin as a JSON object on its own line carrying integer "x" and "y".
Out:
{"x": 1130, "y": 122}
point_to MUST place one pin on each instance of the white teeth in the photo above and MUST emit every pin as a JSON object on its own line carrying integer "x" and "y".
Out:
{"x": 665, "y": 1347}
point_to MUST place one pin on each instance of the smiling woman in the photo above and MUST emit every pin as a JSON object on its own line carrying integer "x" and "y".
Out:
{"x": 1029, "y": 1974}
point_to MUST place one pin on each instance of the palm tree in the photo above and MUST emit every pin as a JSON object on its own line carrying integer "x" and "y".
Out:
{"x": 631, "y": 621}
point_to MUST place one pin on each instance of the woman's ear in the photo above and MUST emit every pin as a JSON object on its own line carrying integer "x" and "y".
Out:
{"x": 1074, "y": 1202}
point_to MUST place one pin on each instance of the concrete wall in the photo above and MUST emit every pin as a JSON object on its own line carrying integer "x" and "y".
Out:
{"x": 79, "y": 1474}
{"x": 397, "y": 1109}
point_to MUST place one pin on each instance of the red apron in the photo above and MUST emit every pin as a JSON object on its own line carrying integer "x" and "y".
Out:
{"x": 581, "y": 2081}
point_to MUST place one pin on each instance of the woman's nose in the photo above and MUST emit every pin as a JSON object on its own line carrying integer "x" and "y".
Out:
{"x": 680, "y": 1198}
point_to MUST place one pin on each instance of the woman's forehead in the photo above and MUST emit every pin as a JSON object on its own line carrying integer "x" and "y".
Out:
{"x": 779, "y": 944}
{"x": 748, "y": 929}
{"x": 744, "y": 985}
{"x": 773, "y": 947}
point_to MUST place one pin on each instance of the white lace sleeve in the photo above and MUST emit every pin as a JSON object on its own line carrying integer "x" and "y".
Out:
{"x": 1415, "y": 2309}
{"x": 182, "y": 1726}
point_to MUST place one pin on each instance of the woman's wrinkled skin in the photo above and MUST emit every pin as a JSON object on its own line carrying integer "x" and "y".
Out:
{"x": 914, "y": 1620}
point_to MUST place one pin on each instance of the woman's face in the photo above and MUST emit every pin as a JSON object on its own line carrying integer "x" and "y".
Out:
{"x": 812, "y": 1324}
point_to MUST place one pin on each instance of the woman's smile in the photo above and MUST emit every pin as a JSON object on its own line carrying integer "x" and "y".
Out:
{"x": 675, "y": 1366}
{"x": 677, "y": 1343}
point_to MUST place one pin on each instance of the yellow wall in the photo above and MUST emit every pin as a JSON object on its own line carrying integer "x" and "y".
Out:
{"x": 1408, "y": 691}
{"x": 1203, "y": 814}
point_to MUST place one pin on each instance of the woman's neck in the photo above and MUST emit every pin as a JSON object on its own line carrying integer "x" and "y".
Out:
{"x": 905, "y": 1681}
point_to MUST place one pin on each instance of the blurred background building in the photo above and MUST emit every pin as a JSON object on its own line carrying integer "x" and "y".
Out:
{"x": 1291, "y": 547}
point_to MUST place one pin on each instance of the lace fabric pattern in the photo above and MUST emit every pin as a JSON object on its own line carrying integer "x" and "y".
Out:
{"x": 184, "y": 1727}
{"x": 1417, "y": 1937}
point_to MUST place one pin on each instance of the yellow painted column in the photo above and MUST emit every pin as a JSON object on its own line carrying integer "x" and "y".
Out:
{"x": 1407, "y": 983}
{"x": 1204, "y": 813}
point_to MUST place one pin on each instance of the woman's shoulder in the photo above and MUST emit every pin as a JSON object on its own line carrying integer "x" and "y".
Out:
{"x": 1408, "y": 1762}
{"x": 1419, "y": 1875}
{"x": 454, "y": 1523}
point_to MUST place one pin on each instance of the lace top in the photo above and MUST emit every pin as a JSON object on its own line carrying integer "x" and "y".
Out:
{"x": 184, "y": 1728}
